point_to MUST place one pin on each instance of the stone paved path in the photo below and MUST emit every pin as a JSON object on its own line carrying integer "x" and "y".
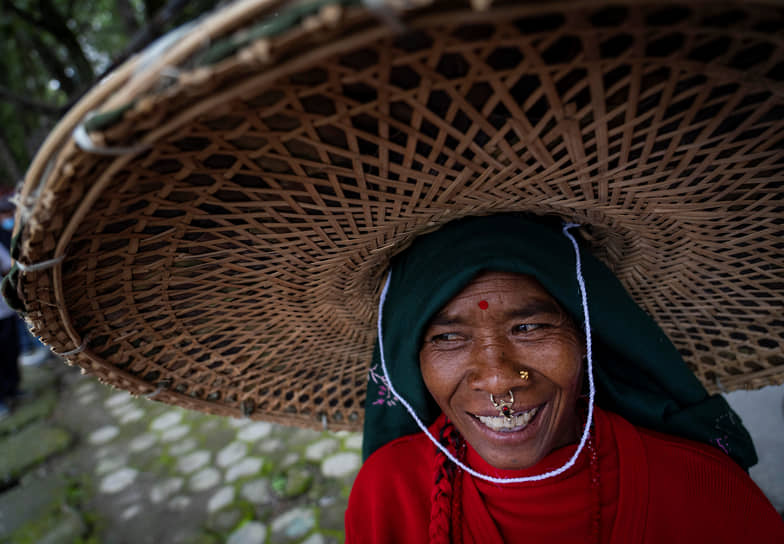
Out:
{"x": 84, "y": 463}
{"x": 81, "y": 463}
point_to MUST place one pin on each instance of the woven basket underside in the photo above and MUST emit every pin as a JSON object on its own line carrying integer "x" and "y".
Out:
{"x": 234, "y": 266}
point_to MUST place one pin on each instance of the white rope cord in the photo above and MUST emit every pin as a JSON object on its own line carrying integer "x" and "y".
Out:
{"x": 77, "y": 350}
{"x": 23, "y": 205}
{"x": 386, "y": 14}
{"x": 43, "y": 265}
{"x": 85, "y": 143}
{"x": 155, "y": 393}
{"x": 147, "y": 58}
{"x": 589, "y": 356}
{"x": 154, "y": 51}
{"x": 720, "y": 386}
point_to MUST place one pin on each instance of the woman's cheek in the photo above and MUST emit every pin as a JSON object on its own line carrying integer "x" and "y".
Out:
{"x": 562, "y": 366}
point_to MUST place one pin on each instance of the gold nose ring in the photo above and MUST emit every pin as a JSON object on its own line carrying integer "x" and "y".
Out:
{"x": 524, "y": 375}
{"x": 504, "y": 407}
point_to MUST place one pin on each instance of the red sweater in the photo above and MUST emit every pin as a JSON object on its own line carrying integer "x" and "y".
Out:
{"x": 653, "y": 488}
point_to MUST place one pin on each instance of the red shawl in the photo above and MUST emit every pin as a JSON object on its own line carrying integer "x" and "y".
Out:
{"x": 653, "y": 488}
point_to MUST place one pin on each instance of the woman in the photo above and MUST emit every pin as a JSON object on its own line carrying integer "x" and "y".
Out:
{"x": 211, "y": 225}
{"x": 480, "y": 324}
{"x": 9, "y": 366}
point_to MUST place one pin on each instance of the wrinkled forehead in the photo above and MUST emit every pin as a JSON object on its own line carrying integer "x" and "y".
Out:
{"x": 487, "y": 281}
{"x": 440, "y": 265}
{"x": 493, "y": 291}
{"x": 504, "y": 285}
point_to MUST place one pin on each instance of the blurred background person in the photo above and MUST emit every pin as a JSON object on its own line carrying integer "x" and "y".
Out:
{"x": 9, "y": 340}
{"x": 31, "y": 350}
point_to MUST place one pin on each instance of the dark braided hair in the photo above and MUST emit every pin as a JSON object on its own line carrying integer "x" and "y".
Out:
{"x": 445, "y": 514}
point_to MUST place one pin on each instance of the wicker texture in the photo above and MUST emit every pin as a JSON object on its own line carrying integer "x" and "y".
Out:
{"x": 233, "y": 266}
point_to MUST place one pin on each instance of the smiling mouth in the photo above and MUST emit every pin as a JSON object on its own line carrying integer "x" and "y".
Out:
{"x": 503, "y": 424}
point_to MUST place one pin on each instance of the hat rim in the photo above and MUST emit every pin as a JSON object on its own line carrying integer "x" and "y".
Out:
{"x": 60, "y": 145}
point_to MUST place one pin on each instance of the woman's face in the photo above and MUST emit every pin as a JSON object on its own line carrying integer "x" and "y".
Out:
{"x": 500, "y": 324}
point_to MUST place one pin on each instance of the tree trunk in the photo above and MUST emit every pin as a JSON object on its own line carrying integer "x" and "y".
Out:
{"x": 55, "y": 23}
{"x": 31, "y": 104}
{"x": 154, "y": 27}
{"x": 55, "y": 66}
{"x": 9, "y": 166}
{"x": 128, "y": 16}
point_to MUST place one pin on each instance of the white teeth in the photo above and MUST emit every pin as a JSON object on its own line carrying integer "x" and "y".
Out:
{"x": 517, "y": 422}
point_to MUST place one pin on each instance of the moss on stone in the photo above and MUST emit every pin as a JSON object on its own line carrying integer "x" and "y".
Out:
{"x": 34, "y": 497}
{"x": 29, "y": 447}
{"x": 31, "y": 409}
{"x": 38, "y": 378}
{"x": 60, "y": 526}
{"x": 292, "y": 482}
{"x": 205, "y": 538}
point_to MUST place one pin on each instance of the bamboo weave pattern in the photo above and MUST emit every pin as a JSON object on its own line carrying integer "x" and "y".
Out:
{"x": 233, "y": 267}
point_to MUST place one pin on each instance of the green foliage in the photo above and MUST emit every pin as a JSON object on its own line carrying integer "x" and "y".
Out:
{"x": 293, "y": 482}
{"x": 30, "y": 410}
{"x": 30, "y": 446}
{"x": 65, "y": 520}
{"x": 53, "y": 51}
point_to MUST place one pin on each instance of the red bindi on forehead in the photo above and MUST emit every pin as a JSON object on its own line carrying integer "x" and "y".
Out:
{"x": 483, "y": 304}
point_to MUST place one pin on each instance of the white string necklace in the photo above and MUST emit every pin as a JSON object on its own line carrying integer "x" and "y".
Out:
{"x": 592, "y": 389}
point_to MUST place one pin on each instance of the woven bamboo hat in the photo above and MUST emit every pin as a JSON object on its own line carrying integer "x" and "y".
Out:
{"x": 209, "y": 226}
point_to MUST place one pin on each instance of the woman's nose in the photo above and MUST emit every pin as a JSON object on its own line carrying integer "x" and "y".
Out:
{"x": 494, "y": 368}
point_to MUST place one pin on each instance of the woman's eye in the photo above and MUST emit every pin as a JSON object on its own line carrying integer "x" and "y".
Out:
{"x": 527, "y": 327}
{"x": 446, "y": 337}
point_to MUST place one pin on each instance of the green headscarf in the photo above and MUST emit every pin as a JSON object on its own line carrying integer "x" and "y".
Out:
{"x": 639, "y": 374}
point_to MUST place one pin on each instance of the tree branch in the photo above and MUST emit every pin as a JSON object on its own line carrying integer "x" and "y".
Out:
{"x": 31, "y": 104}
{"x": 51, "y": 62}
{"x": 9, "y": 164}
{"x": 22, "y": 14}
{"x": 148, "y": 33}
{"x": 54, "y": 22}
{"x": 128, "y": 16}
